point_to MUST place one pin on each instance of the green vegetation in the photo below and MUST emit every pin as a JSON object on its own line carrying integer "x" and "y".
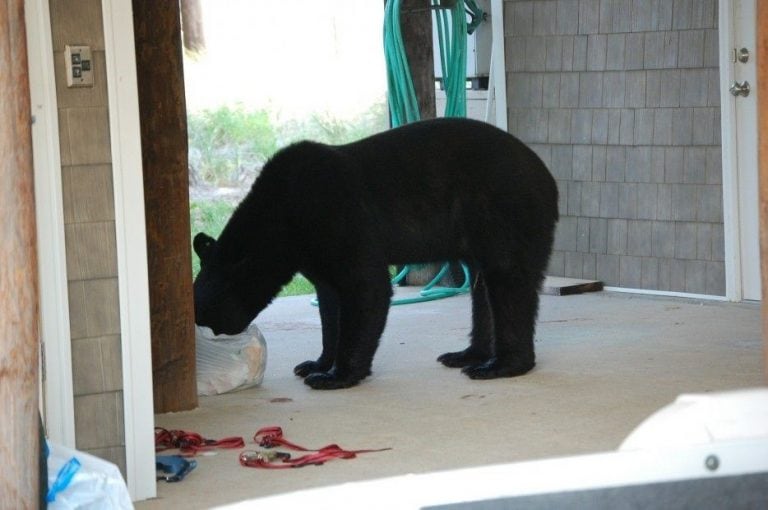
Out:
{"x": 322, "y": 127}
{"x": 298, "y": 287}
{"x": 229, "y": 145}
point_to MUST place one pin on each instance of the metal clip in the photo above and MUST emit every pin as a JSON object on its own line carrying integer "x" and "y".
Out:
{"x": 741, "y": 55}
{"x": 264, "y": 456}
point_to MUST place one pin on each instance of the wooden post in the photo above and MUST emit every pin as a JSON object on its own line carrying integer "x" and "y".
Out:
{"x": 163, "y": 115}
{"x": 192, "y": 24}
{"x": 19, "y": 439}
{"x": 416, "y": 26}
{"x": 762, "y": 129}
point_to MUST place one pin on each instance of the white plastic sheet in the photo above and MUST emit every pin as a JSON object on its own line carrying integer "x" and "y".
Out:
{"x": 96, "y": 483}
{"x": 229, "y": 362}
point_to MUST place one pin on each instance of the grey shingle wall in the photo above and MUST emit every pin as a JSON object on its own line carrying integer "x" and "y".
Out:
{"x": 621, "y": 100}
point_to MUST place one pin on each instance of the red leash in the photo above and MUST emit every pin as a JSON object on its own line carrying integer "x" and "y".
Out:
{"x": 190, "y": 443}
{"x": 271, "y": 437}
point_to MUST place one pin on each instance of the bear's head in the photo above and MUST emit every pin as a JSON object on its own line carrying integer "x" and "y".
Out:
{"x": 224, "y": 298}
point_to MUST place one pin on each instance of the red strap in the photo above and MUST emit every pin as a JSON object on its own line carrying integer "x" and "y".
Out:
{"x": 191, "y": 442}
{"x": 270, "y": 437}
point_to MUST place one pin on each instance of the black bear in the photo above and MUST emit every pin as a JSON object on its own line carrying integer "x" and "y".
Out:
{"x": 443, "y": 189}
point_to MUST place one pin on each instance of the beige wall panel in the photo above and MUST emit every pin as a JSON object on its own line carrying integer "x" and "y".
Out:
{"x": 76, "y": 22}
{"x": 91, "y": 250}
{"x": 89, "y": 135}
{"x": 88, "y": 194}
{"x": 99, "y": 420}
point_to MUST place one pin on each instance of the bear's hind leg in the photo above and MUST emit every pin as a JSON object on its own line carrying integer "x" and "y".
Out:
{"x": 328, "y": 303}
{"x": 480, "y": 348}
{"x": 364, "y": 304}
{"x": 514, "y": 304}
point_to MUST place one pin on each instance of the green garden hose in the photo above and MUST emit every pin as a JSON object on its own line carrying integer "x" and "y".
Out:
{"x": 403, "y": 104}
{"x": 452, "y": 30}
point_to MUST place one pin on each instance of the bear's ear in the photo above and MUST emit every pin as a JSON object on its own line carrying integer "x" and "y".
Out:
{"x": 203, "y": 244}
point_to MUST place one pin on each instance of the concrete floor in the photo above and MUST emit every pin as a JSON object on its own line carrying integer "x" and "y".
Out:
{"x": 606, "y": 361}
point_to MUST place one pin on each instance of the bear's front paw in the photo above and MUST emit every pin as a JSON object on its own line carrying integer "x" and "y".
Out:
{"x": 332, "y": 380}
{"x": 494, "y": 368}
{"x": 467, "y": 357}
{"x": 310, "y": 367}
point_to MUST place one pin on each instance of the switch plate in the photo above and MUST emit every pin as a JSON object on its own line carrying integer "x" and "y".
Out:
{"x": 79, "y": 66}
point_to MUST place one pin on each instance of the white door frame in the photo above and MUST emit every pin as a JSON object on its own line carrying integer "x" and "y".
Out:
{"x": 58, "y": 396}
{"x": 130, "y": 232}
{"x": 733, "y": 222}
{"x": 130, "y": 236}
{"x": 498, "y": 65}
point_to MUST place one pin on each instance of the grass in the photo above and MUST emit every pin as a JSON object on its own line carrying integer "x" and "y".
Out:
{"x": 210, "y": 216}
{"x": 298, "y": 287}
{"x": 228, "y": 145}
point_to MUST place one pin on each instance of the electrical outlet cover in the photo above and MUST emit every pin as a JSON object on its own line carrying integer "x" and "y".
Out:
{"x": 79, "y": 66}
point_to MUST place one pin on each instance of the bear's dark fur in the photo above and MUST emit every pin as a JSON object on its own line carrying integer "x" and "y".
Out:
{"x": 444, "y": 189}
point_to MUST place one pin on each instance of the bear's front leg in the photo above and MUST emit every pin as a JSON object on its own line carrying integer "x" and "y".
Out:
{"x": 364, "y": 304}
{"x": 328, "y": 303}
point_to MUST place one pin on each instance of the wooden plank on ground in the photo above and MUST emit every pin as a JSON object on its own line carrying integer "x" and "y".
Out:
{"x": 559, "y": 286}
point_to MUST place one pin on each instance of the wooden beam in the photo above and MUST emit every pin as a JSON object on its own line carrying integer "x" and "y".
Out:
{"x": 762, "y": 111}
{"x": 19, "y": 440}
{"x": 416, "y": 26}
{"x": 192, "y": 24}
{"x": 162, "y": 109}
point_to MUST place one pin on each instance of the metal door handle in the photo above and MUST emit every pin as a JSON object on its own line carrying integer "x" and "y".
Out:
{"x": 741, "y": 55}
{"x": 740, "y": 88}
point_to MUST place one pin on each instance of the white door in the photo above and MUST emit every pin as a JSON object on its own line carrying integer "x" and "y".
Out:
{"x": 56, "y": 373}
{"x": 739, "y": 110}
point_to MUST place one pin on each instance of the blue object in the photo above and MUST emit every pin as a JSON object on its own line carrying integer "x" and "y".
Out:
{"x": 173, "y": 467}
{"x": 63, "y": 478}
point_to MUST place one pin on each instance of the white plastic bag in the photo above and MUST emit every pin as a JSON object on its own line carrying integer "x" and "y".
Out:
{"x": 229, "y": 362}
{"x": 96, "y": 483}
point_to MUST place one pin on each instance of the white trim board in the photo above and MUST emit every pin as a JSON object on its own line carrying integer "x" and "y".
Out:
{"x": 732, "y": 220}
{"x": 58, "y": 393}
{"x": 733, "y": 289}
{"x": 498, "y": 486}
{"x": 498, "y": 64}
{"x": 130, "y": 231}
